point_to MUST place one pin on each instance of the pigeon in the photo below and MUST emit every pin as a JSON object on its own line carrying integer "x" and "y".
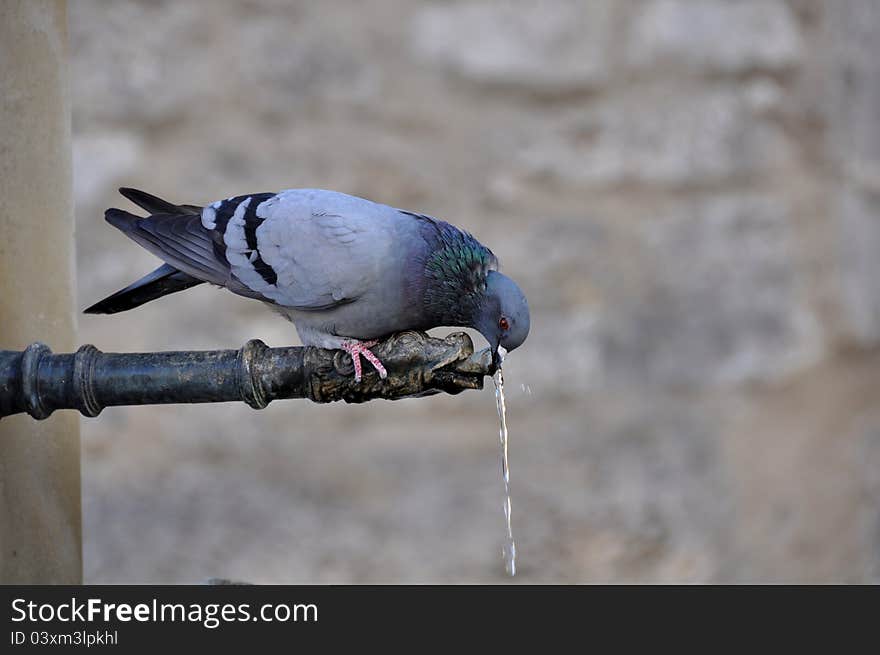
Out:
{"x": 345, "y": 270}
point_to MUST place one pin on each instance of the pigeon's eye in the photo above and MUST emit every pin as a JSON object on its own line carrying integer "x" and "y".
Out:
{"x": 503, "y": 323}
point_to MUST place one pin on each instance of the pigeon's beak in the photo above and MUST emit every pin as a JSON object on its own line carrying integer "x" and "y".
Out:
{"x": 498, "y": 354}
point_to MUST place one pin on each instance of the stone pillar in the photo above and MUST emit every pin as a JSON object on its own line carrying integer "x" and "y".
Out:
{"x": 40, "y": 518}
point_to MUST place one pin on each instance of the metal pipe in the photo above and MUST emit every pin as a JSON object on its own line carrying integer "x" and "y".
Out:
{"x": 38, "y": 382}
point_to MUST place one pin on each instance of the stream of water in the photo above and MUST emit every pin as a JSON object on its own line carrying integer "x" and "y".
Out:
{"x": 509, "y": 551}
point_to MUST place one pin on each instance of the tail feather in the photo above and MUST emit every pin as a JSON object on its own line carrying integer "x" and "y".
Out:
{"x": 168, "y": 278}
{"x": 121, "y": 219}
{"x": 164, "y": 280}
{"x": 155, "y": 205}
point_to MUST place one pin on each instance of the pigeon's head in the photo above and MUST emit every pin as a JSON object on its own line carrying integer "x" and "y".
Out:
{"x": 503, "y": 317}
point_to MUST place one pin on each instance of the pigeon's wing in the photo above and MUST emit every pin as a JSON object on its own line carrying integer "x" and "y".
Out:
{"x": 180, "y": 238}
{"x": 305, "y": 249}
{"x": 309, "y": 249}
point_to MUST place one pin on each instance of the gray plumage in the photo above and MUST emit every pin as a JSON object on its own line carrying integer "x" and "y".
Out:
{"x": 338, "y": 266}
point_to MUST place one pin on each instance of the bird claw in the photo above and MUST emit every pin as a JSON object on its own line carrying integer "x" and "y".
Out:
{"x": 362, "y": 348}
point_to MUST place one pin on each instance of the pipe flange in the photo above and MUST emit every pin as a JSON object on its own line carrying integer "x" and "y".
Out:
{"x": 249, "y": 387}
{"x": 30, "y": 387}
{"x": 83, "y": 381}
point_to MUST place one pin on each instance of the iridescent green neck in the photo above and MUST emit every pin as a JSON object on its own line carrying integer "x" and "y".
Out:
{"x": 455, "y": 268}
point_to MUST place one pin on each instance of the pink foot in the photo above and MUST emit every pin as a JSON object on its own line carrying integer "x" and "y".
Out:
{"x": 357, "y": 348}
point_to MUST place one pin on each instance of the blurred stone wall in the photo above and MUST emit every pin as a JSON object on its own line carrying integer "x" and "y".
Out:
{"x": 687, "y": 190}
